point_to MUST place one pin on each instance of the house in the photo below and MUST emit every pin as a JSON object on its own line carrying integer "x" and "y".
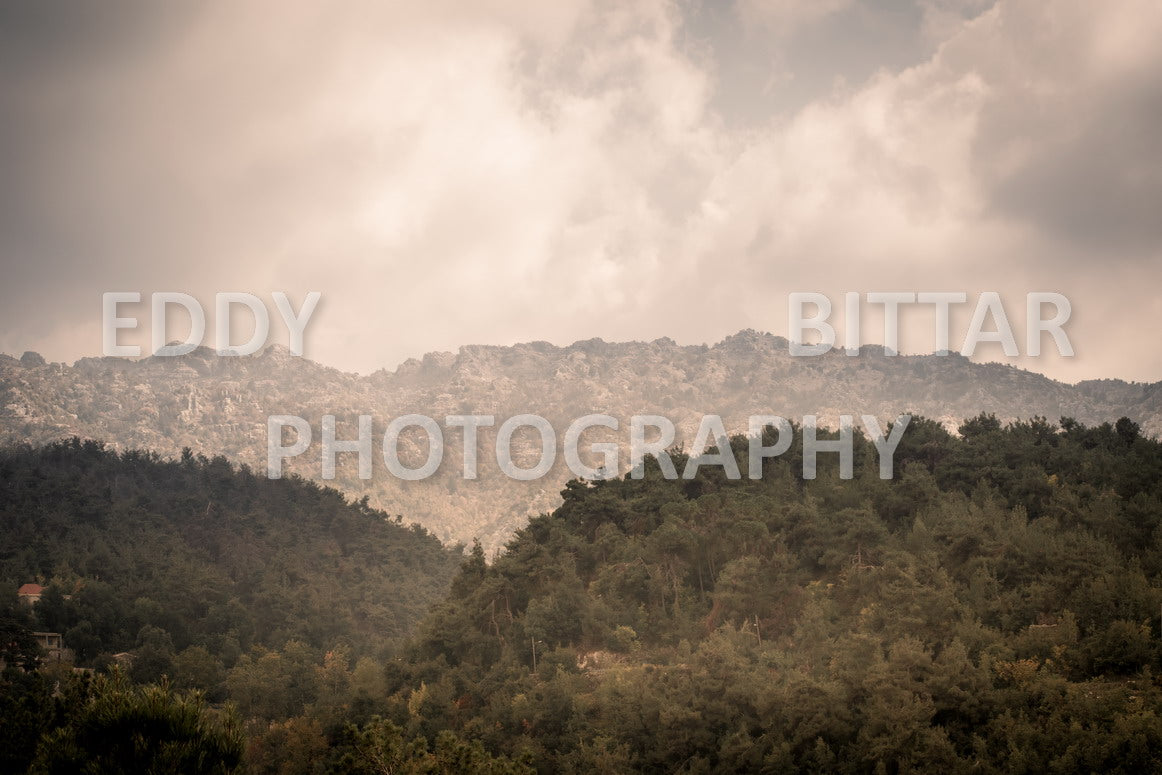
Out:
{"x": 52, "y": 645}
{"x": 30, "y": 593}
{"x": 124, "y": 659}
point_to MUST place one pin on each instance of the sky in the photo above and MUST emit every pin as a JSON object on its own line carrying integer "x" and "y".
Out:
{"x": 492, "y": 172}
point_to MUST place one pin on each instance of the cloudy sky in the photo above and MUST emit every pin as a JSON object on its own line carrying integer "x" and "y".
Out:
{"x": 500, "y": 171}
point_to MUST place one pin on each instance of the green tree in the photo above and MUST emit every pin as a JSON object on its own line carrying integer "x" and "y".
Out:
{"x": 125, "y": 729}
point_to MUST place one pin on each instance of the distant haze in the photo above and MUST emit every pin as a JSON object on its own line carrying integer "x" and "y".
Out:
{"x": 494, "y": 172}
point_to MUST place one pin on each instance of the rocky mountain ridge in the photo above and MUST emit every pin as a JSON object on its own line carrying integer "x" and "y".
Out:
{"x": 220, "y": 405}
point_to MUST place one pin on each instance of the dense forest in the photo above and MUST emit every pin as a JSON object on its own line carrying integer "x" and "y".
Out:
{"x": 196, "y": 552}
{"x": 207, "y": 574}
{"x": 994, "y": 608}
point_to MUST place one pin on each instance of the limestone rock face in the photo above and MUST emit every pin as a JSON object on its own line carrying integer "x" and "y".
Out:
{"x": 220, "y": 405}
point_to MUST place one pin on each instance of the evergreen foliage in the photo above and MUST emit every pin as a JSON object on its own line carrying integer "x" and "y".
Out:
{"x": 994, "y": 608}
{"x": 191, "y": 562}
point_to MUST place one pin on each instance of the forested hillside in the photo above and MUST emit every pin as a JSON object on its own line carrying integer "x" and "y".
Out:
{"x": 994, "y": 608}
{"x": 156, "y": 557}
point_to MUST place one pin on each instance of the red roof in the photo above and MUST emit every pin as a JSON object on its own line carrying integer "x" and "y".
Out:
{"x": 30, "y": 589}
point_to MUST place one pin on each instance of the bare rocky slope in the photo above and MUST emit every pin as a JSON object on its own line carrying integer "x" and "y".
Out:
{"x": 219, "y": 406}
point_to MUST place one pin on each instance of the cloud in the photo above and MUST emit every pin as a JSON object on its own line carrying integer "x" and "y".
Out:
{"x": 494, "y": 172}
{"x": 786, "y": 17}
{"x": 1069, "y": 140}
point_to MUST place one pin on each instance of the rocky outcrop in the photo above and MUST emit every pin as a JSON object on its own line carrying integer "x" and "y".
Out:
{"x": 219, "y": 405}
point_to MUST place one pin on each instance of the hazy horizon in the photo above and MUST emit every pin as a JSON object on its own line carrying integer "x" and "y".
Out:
{"x": 1026, "y": 365}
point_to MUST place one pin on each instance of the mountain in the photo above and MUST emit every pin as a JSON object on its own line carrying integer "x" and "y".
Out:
{"x": 994, "y": 609}
{"x": 216, "y": 405}
{"x": 139, "y": 552}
